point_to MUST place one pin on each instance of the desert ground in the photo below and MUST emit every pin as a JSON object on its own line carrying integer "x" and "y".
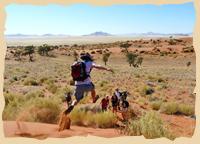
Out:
{"x": 160, "y": 89}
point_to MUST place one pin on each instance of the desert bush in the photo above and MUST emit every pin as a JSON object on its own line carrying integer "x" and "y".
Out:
{"x": 13, "y": 104}
{"x": 172, "y": 42}
{"x": 60, "y": 92}
{"x": 33, "y": 95}
{"x": 41, "y": 110}
{"x": 29, "y": 50}
{"x": 149, "y": 125}
{"x": 160, "y": 79}
{"x": 99, "y": 51}
{"x": 84, "y": 117}
{"x": 78, "y": 117}
{"x": 175, "y": 108}
{"x": 93, "y": 52}
{"x": 138, "y": 62}
{"x": 105, "y": 119}
{"x": 44, "y": 50}
{"x": 146, "y": 90}
{"x": 52, "y": 88}
{"x": 133, "y": 128}
{"x": 43, "y": 80}
{"x": 10, "y": 97}
{"x": 15, "y": 78}
{"x": 156, "y": 105}
{"x": 18, "y": 54}
{"x": 31, "y": 107}
{"x": 169, "y": 108}
{"x": 162, "y": 86}
{"x": 187, "y": 110}
{"x": 30, "y": 82}
{"x": 105, "y": 58}
{"x": 125, "y": 45}
{"x": 131, "y": 58}
{"x": 188, "y": 49}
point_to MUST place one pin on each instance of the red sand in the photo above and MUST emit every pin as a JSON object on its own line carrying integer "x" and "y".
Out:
{"x": 41, "y": 131}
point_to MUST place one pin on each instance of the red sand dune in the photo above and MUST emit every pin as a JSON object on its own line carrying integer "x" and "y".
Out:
{"x": 41, "y": 131}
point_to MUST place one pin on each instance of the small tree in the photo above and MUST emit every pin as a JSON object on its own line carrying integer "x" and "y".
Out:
{"x": 138, "y": 62}
{"x": 18, "y": 53}
{"x": 41, "y": 50}
{"x": 29, "y": 50}
{"x": 105, "y": 57}
{"x": 125, "y": 45}
{"x": 44, "y": 50}
{"x": 131, "y": 58}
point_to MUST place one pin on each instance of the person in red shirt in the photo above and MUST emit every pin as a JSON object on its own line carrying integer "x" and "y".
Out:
{"x": 105, "y": 103}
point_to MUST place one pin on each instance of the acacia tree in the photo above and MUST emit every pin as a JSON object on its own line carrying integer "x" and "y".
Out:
{"x": 17, "y": 53}
{"x": 138, "y": 61}
{"x": 125, "y": 45}
{"x": 131, "y": 58}
{"x": 105, "y": 57}
{"x": 29, "y": 50}
{"x": 44, "y": 50}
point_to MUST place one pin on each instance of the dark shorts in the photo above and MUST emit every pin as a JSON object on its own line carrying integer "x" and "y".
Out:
{"x": 81, "y": 89}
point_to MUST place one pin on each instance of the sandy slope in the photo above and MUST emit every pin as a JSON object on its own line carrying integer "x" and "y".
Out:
{"x": 41, "y": 131}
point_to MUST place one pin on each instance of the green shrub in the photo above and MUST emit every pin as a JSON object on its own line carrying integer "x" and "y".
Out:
{"x": 78, "y": 117}
{"x": 44, "y": 110}
{"x": 15, "y": 78}
{"x": 105, "y": 119}
{"x": 43, "y": 80}
{"x": 133, "y": 128}
{"x": 156, "y": 105}
{"x": 33, "y": 95}
{"x": 186, "y": 109}
{"x": 30, "y": 82}
{"x": 52, "y": 88}
{"x": 84, "y": 117}
{"x": 175, "y": 108}
{"x": 149, "y": 125}
{"x": 146, "y": 90}
{"x": 169, "y": 108}
{"x": 13, "y": 104}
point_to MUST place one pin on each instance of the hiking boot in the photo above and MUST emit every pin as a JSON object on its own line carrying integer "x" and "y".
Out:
{"x": 96, "y": 98}
{"x": 70, "y": 108}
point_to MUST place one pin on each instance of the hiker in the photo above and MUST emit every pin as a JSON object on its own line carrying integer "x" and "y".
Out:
{"x": 68, "y": 98}
{"x": 124, "y": 111}
{"x": 114, "y": 101}
{"x": 117, "y": 93}
{"x": 124, "y": 95}
{"x": 125, "y": 105}
{"x": 105, "y": 103}
{"x": 81, "y": 75}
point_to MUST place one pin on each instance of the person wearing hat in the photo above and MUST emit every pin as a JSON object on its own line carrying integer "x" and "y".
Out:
{"x": 87, "y": 85}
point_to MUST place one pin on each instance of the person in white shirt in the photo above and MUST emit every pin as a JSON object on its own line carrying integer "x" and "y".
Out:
{"x": 84, "y": 86}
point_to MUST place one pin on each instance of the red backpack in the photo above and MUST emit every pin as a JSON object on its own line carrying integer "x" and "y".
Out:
{"x": 78, "y": 71}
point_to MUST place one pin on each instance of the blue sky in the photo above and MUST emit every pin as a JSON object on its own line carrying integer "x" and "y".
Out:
{"x": 80, "y": 19}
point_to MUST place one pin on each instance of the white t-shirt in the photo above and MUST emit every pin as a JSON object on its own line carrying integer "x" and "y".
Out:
{"x": 89, "y": 65}
{"x": 117, "y": 94}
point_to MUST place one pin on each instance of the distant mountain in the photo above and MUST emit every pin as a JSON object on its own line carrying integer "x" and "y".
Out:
{"x": 99, "y": 33}
{"x": 19, "y": 35}
{"x": 30, "y": 36}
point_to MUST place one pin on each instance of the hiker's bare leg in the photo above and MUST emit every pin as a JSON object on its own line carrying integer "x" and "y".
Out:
{"x": 93, "y": 94}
